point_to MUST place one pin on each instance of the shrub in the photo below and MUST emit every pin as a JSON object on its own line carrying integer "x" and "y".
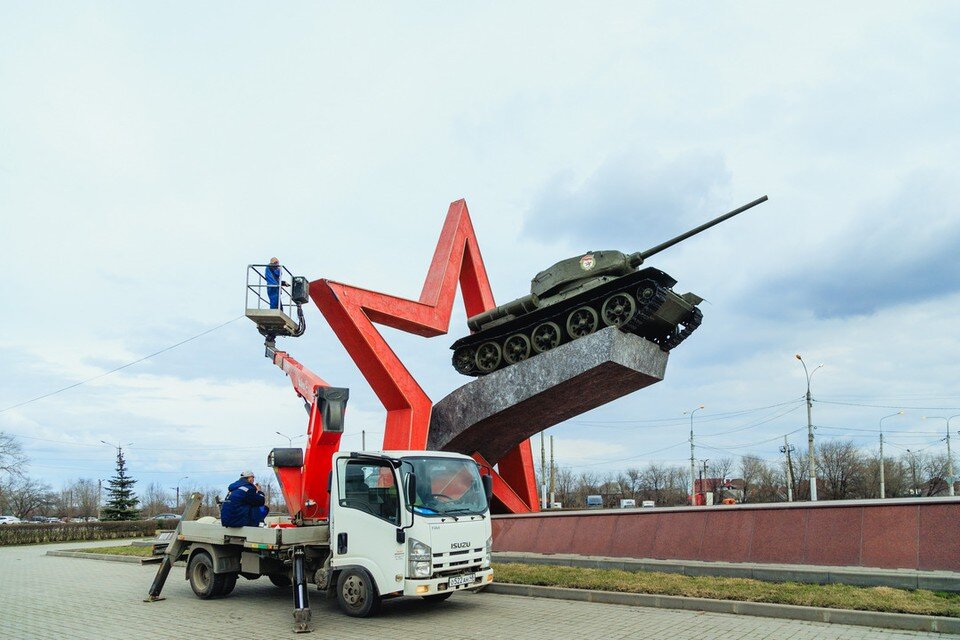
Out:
{"x": 28, "y": 533}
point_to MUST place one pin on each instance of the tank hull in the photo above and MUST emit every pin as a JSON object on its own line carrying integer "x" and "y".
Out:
{"x": 642, "y": 303}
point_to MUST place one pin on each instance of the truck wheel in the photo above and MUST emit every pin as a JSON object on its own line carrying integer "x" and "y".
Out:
{"x": 230, "y": 581}
{"x": 356, "y": 593}
{"x": 280, "y": 581}
{"x": 205, "y": 583}
{"x": 438, "y": 597}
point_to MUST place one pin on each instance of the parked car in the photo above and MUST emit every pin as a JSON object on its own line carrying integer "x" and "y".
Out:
{"x": 9, "y": 520}
{"x": 167, "y": 516}
{"x": 594, "y": 502}
{"x": 53, "y": 520}
{"x": 40, "y": 519}
{"x": 627, "y": 503}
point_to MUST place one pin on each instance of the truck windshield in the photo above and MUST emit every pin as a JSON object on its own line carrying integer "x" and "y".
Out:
{"x": 447, "y": 486}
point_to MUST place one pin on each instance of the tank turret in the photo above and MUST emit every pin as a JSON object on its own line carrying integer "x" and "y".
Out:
{"x": 576, "y": 297}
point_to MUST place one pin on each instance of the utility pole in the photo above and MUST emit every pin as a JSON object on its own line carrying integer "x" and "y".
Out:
{"x": 787, "y": 448}
{"x": 99, "y": 492}
{"x": 950, "y": 479}
{"x": 703, "y": 473}
{"x": 693, "y": 466}
{"x": 552, "y": 474}
{"x": 883, "y": 485}
{"x": 363, "y": 440}
{"x": 543, "y": 473}
{"x": 811, "y": 451}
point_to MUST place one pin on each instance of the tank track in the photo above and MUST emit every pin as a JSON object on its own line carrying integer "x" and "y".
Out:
{"x": 639, "y": 324}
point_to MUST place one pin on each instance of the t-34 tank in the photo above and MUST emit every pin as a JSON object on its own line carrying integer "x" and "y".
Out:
{"x": 578, "y": 296}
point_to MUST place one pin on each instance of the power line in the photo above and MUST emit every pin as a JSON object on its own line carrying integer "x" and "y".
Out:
{"x": 712, "y": 417}
{"x": 885, "y": 406}
{"x": 752, "y": 425}
{"x": 120, "y": 368}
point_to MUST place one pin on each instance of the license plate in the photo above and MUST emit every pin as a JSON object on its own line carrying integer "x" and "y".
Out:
{"x": 456, "y": 581}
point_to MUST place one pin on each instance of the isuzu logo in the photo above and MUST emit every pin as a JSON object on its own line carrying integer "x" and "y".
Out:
{"x": 460, "y": 545}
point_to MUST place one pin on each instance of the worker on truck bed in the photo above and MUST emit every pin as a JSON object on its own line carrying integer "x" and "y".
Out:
{"x": 245, "y": 505}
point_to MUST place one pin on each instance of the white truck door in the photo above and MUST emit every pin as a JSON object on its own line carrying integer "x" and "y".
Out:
{"x": 365, "y": 516}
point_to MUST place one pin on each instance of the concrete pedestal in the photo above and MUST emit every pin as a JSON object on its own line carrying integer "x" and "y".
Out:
{"x": 496, "y": 412}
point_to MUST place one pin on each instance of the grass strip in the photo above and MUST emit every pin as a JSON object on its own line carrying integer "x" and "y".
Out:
{"x": 833, "y": 596}
{"x": 126, "y": 550}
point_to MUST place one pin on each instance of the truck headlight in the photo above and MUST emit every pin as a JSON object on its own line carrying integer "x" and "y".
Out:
{"x": 419, "y": 559}
{"x": 487, "y": 554}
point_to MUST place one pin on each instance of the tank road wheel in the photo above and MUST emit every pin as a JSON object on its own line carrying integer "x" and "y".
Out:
{"x": 463, "y": 360}
{"x": 356, "y": 593}
{"x": 546, "y": 336}
{"x": 488, "y": 357}
{"x": 516, "y": 348}
{"x": 582, "y": 322}
{"x": 618, "y": 309}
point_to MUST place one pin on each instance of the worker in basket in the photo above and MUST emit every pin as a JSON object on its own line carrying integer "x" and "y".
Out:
{"x": 245, "y": 505}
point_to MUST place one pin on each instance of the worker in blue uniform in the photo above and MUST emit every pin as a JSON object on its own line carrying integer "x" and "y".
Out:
{"x": 272, "y": 276}
{"x": 245, "y": 505}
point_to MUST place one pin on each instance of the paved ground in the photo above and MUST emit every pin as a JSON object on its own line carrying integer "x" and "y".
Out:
{"x": 48, "y": 597}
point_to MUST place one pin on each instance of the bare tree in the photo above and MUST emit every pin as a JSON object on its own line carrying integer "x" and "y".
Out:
{"x": 86, "y": 495}
{"x": 839, "y": 464}
{"x": 755, "y": 474}
{"x": 718, "y": 470}
{"x": 564, "y": 483}
{"x": 656, "y": 480}
{"x": 155, "y": 500}
{"x": 12, "y": 459}
{"x": 24, "y": 495}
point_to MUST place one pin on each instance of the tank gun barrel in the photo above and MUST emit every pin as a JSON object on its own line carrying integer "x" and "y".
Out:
{"x": 636, "y": 259}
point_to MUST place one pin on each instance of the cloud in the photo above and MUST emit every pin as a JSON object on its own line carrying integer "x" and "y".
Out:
{"x": 630, "y": 202}
{"x": 902, "y": 249}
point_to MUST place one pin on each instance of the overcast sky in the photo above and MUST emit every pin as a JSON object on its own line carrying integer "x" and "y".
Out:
{"x": 148, "y": 154}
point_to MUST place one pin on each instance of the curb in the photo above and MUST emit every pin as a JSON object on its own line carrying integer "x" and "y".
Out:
{"x": 900, "y": 621}
{"x": 856, "y": 576}
{"x": 105, "y": 557}
{"x": 94, "y": 556}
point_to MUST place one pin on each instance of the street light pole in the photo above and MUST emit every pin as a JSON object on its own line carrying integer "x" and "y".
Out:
{"x": 693, "y": 466}
{"x": 950, "y": 478}
{"x": 883, "y": 486}
{"x": 178, "y": 490}
{"x": 811, "y": 452}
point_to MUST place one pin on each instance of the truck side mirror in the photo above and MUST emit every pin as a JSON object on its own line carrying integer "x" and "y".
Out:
{"x": 411, "y": 490}
{"x": 487, "y": 486}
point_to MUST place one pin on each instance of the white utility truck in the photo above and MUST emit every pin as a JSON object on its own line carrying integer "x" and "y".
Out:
{"x": 402, "y": 523}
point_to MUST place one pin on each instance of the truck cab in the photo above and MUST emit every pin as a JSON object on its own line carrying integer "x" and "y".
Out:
{"x": 414, "y": 523}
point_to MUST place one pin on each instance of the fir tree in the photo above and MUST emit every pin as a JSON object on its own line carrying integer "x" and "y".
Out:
{"x": 122, "y": 501}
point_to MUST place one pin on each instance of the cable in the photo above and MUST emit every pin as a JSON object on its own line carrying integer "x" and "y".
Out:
{"x": 886, "y": 406}
{"x": 753, "y": 425}
{"x": 129, "y": 364}
{"x": 713, "y": 417}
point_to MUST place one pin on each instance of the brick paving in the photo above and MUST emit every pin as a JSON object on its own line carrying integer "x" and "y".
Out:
{"x": 49, "y": 597}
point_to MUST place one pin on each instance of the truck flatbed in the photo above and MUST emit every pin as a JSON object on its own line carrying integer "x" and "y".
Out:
{"x": 253, "y": 537}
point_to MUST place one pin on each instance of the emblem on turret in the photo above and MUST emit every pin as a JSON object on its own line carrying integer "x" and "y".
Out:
{"x": 587, "y": 262}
